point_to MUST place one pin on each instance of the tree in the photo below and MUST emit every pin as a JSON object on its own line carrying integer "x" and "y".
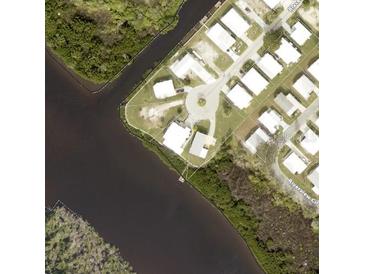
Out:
{"x": 272, "y": 39}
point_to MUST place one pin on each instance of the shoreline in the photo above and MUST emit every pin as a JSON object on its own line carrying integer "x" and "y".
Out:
{"x": 89, "y": 83}
{"x": 93, "y": 165}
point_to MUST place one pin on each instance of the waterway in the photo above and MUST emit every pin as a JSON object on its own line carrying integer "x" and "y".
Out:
{"x": 106, "y": 175}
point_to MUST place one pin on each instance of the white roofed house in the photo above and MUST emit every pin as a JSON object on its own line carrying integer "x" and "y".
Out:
{"x": 288, "y": 103}
{"x": 272, "y": 3}
{"x": 272, "y": 121}
{"x": 183, "y": 66}
{"x": 269, "y": 65}
{"x": 300, "y": 33}
{"x": 287, "y": 52}
{"x": 254, "y": 81}
{"x": 310, "y": 142}
{"x": 221, "y": 38}
{"x": 239, "y": 97}
{"x": 294, "y": 163}
{"x": 304, "y": 86}
{"x": 257, "y": 138}
{"x": 314, "y": 69}
{"x": 313, "y": 177}
{"x": 201, "y": 144}
{"x": 164, "y": 89}
{"x": 235, "y": 22}
{"x": 175, "y": 137}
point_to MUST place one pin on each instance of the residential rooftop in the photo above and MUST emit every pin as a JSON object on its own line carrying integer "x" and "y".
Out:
{"x": 164, "y": 89}
{"x": 310, "y": 142}
{"x": 269, "y": 65}
{"x": 257, "y": 138}
{"x": 188, "y": 63}
{"x": 304, "y": 86}
{"x": 271, "y": 120}
{"x": 300, "y": 34}
{"x": 220, "y": 37}
{"x": 287, "y": 52}
{"x": 254, "y": 81}
{"x": 239, "y": 97}
{"x": 313, "y": 177}
{"x": 175, "y": 137}
{"x": 294, "y": 163}
{"x": 235, "y": 22}
{"x": 200, "y": 145}
{"x": 314, "y": 69}
{"x": 272, "y": 3}
{"x": 288, "y": 103}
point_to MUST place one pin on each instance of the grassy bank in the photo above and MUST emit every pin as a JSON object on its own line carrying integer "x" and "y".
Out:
{"x": 273, "y": 226}
{"x": 98, "y": 38}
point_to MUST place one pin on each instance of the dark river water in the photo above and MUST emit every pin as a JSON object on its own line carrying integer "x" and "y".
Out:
{"x": 106, "y": 175}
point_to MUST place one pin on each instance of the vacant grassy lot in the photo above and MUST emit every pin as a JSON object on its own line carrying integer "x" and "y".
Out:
{"x": 254, "y": 31}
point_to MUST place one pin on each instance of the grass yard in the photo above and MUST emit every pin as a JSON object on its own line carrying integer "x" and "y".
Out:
{"x": 285, "y": 81}
{"x": 254, "y": 31}
{"x": 270, "y": 16}
{"x": 300, "y": 179}
{"x": 154, "y": 126}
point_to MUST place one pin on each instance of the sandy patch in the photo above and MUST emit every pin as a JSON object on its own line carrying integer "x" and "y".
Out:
{"x": 258, "y": 6}
{"x": 311, "y": 16}
{"x": 206, "y": 51}
{"x": 154, "y": 113}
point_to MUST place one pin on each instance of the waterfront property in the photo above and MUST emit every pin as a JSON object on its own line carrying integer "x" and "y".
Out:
{"x": 164, "y": 89}
{"x": 175, "y": 137}
{"x": 189, "y": 64}
{"x": 235, "y": 22}
{"x": 201, "y": 144}
{"x": 222, "y": 91}
{"x": 222, "y": 39}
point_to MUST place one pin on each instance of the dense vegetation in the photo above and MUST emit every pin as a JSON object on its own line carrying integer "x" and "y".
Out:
{"x": 272, "y": 40}
{"x": 73, "y": 246}
{"x": 307, "y": 4}
{"x": 273, "y": 14}
{"x": 281, "y": 234}
{"x": 97, "y": 38}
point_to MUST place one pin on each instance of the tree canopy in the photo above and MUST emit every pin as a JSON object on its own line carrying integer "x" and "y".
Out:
{"x": 97, "y": 38}
{"x": 73, "y": 246}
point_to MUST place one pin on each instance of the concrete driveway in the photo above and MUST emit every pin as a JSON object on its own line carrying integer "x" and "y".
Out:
{"x": 206, "y": 112}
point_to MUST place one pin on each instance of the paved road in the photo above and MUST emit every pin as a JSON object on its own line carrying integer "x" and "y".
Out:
{"x": 233, "y": 70}
{"x": 309, "y": 113}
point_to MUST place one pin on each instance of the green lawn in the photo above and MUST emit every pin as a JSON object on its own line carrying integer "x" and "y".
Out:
{"x": 254, "y": 31}
{"x": 300, "y": 179}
